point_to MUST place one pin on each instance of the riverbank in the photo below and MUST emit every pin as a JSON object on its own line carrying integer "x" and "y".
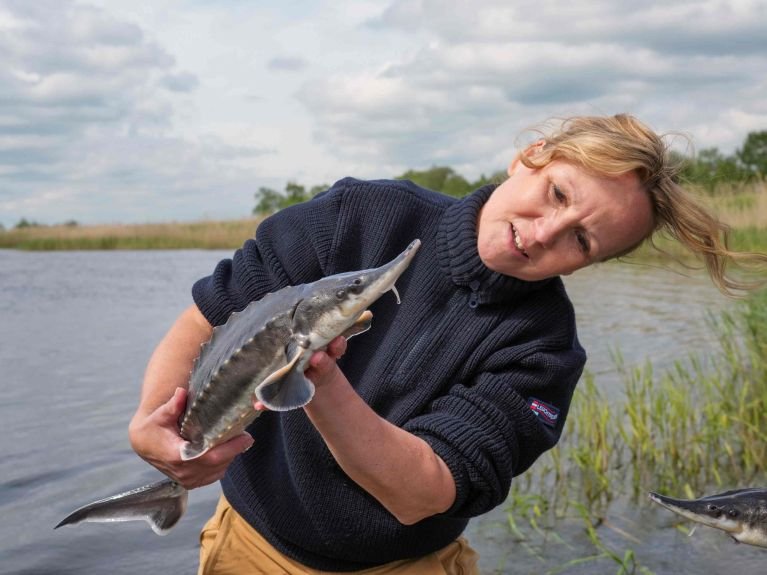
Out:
{"x": 743, "y": 208}
{"x": 206, "y": 235}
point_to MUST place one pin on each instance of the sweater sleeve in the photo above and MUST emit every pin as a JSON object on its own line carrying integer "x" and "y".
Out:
{"x": 486, "y": 430}
{"x": 290, "y": 247}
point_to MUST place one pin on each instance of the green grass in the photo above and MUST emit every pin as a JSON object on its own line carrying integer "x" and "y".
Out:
{"x": 750, "y": 239}
{"x": 688, "y": 432}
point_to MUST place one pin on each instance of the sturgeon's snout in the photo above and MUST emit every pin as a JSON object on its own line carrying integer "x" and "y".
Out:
{"x": 382, "y": 279}
{"x": 741, "y": 512}
{"x": 335, "y": 303}
{"x": 699, "y": 510}
{"x": 669, "y": 501}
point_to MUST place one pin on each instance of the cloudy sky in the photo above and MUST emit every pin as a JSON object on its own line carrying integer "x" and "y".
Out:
{"x": 157, "y": 110}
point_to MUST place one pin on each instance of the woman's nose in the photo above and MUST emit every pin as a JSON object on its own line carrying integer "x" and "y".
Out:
{"x": 547, "y": 229}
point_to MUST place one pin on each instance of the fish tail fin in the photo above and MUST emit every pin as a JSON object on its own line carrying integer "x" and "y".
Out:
{"x": 160, "y": 504}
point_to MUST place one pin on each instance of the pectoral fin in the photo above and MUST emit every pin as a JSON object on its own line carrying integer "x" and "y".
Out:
{"x": 287, "y": 388}
{"x": 160, "y": 504}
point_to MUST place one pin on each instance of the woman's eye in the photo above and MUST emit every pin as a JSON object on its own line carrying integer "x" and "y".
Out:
{"x": 558, "y": 194}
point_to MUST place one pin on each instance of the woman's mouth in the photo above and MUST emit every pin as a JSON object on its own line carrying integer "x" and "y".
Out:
{"x": 518, "y": 241}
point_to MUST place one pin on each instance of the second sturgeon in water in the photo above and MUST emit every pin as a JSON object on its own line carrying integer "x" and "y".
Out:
{"x": 742, "y": 513}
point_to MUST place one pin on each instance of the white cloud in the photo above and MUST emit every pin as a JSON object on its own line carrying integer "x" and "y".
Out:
{"x": 506, "y": 65}
{"x": 714, "y": 26}
{"x": 136, "y": 110}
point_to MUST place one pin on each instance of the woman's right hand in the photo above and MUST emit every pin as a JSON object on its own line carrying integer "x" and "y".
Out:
{"x": 155, "y": 437}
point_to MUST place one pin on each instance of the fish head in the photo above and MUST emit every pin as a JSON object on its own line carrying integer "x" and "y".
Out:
{"x": 741, "y": 513}
{"x": 334, "y": 303}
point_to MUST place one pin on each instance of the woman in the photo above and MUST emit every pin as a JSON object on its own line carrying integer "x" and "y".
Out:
{"x": 422, "y": 422}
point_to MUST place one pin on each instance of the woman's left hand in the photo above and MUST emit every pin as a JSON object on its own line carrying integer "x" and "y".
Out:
{"x": 322, "y": 365}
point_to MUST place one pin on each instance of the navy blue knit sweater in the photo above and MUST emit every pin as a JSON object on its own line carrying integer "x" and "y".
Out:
{"x": 480, "y": 365}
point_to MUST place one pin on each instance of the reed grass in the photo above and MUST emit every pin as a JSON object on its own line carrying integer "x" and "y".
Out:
{"x": 743, "y": 207}
{"x": 695, "y": 428}
{"x": 228, "y": 234}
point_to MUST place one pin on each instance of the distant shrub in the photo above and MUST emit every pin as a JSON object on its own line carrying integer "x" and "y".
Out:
{"x": 269, "y": 200}
{"x": 25, "y": 223}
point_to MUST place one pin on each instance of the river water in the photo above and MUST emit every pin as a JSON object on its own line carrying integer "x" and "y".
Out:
{"x": 77, "y": 328}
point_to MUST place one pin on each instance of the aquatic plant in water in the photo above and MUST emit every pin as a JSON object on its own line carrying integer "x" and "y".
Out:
{"x": 695, "y": 427}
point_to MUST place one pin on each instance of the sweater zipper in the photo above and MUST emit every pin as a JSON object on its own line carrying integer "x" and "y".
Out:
{"x": 474, "y": 295}
{"x": 423, "y": 340}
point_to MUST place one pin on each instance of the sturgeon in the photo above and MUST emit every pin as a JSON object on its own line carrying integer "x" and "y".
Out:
{"x": 742, "y": 513}
{"x": 260, "y": 352}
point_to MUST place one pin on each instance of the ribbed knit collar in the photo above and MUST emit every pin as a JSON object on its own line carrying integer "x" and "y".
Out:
{"x": 459, "y": 257}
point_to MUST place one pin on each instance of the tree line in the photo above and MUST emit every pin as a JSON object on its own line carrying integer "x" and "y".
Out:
{"x": 708, "y": 170}
{"x": 24, "y": 223}
{"x": 439, "y": 178}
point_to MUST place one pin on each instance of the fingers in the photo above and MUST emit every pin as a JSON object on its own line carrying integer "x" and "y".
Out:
{"x": 179, "y": 399}
{"x": 224, "y": 453}
{"x": 155, "y": 436}
{"x": 210, "y": 466}
{"x": 319, "y": 364}
{"x": 163, "y": 423}
{"x": 156, "y": 439}
{"x": 337, "y": 347}
{"x": 325, "y": 359}
{"x": 171, "y": 410}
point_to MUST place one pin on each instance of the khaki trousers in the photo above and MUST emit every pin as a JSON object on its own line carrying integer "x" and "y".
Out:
{"x": 230, "y": 546}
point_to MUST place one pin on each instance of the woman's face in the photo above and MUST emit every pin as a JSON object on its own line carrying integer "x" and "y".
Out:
{"x": 552, "y": 221}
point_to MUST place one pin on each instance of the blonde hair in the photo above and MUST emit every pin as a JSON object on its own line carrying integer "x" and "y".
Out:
{"x": 614, "y": 145}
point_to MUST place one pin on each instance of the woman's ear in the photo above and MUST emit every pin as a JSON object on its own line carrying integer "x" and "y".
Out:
{"x": 531, "y": 150}
{"x": 535, "y": 147}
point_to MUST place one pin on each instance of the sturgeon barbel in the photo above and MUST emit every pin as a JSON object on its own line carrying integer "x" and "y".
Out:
{"x": 742, "y": 513}
{"x": 260, "y": 353}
